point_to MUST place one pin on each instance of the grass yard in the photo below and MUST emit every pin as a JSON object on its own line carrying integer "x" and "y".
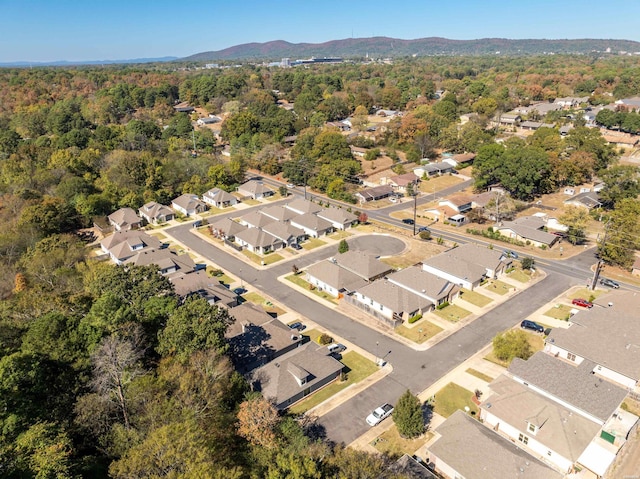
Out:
{"x": 586, "y": 294}
{"x": 390, "y": 442}
{"x": 313, "y": 243}
{"x": 313, "y": 334}
{"x": 216, "y": 211}
{"x": 453, "y": 397}
{"x": 439, "y": 183}
{"x": 250, "y": 202}
{"x": 520, "y": 275}
{"x": 298, "y": 280}
{"x": 559, "y": 311}
{"x": 356, "y": 369}
{"x": 474, "y": 298}
{"x": 159, "y": 235}
{"x": 479, "y": 375}
{"x": 536, "y": 341}
{"x": 420, "y": 333}
{"x": 498, "y": 287}
{"x": 340, "y": 234}
{"x": 452, "y": 313}
{"x": 266, "y": 259}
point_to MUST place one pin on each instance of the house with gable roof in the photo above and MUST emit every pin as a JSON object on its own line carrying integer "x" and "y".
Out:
{"x": 122, "y": 245}
{"x": 226, "y": 228}
{"x": 389, "y": 302}
{"x": 339, "y": 218}
{"x": 302, "y": 206}
{"x": 258, "y": 241}
{"x": 434, "y": 288}
{"x": 189, "y": 204}
{"x": 279, "y": 213}
{"x": 156, "y": 213}
{"x": 167, "y": 261}
{"x": 255, "y": 190}
{"x": 201, "y": 284}
{"x": 312, "y": 225}
{"x": 219, "y": 198}
{"x": 255, "y": 219}
{"x": 285, "y": 232}
{"x": 124, "y": 219}
{"x": 528, "y": 228}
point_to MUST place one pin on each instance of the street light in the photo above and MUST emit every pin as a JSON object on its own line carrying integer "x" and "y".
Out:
{"x": 420, "y": 335}
{"x": 377, "y": 359}
{"x": 241, "y": 282}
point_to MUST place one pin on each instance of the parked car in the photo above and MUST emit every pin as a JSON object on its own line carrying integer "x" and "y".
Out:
{"x": 379, "y": 414}
{"x": 582, "y": 302}
{"x": 336, "y": 348}
{"x": 393, "y": 199}
{"x": 609, "y": 283}
{"x": 297, "y": 325}
{"x": 290, "y": 185}
{"x": 422, "y": 228}
{"x": 239, "y": 291}
{"x": 408, "y": 221}
{"x": 532, "y": 325}
{"x": 511, "y": 254}
{"x": 296, "y": 246}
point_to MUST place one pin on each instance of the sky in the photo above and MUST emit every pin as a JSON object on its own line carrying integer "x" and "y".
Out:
{"x": 82, "y": 30}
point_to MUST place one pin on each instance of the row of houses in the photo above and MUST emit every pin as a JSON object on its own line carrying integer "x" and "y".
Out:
{"x": 395, "y": 296}
{"x": 559, "y": 411}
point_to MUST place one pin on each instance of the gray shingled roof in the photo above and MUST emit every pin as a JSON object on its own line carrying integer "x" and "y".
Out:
{"x": 302, "y": 206}
{"x": 311, "y": 221}
{"x": 477, "y": 452}
{"x": 164, "y": 259}
{"x": 337, "y": 215}
{"x": 333, "y": 275}
{"x": 189, "y": 202}
{"x": 279, "y": 213}
{"x": 363, "y": 264}
{"x": 121, "y": 243}
{"x": 609, "y": 336}
{"x": 529, "y": 227}
{"x": 255, "y": 188}
{"x": 256, "y": 219}
{"x": 468, "y": 261}
{"x": 124, "y": 218}
{"x": 282, "y": 231}
{"x": 156, "y": 211}
{"x": 422, "y": 282}
{"x": 219, "y": 196}
{"x": 572, "y": 383}
{"x": 228, "y": 226}
{"x": 394, "y": 297}
{"x": 257, "y": 238}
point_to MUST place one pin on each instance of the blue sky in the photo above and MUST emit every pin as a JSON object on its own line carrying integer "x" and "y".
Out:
{"x": 50, "y": 30}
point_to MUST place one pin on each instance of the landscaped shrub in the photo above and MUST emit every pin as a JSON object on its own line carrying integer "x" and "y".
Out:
{"x": 415, "y": 318}
{"x": 325, "y": 339}
{"x": 443, "y": 305}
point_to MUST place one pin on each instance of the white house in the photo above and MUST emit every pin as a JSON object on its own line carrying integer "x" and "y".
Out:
{"x": 124, "y": 219}
{"x": 312, "y": 225}
{"x": 188, "y": 204}
{"x": 339, "y": 218}
{"x": 219, "y": 198}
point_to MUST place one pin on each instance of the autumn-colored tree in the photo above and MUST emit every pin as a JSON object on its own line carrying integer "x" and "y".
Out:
{"x": 20, "y": 283}
{"x": 258, "y": 420}
{"x": 363, "y": 218}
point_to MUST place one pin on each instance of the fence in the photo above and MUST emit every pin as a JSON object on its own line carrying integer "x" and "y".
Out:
{"x": 393, "y": 323}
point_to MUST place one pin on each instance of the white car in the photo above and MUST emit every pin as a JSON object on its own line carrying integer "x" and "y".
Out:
{"x": 290, "y": 185}
{"x": 393, "y": 199}
{"x": 379, "y": 414}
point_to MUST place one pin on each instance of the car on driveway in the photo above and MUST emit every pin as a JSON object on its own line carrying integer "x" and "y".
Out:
{"x": 297, "y": 325}
{"x": 296, "y": 246}
{"x": 582, "y": 302}
{"x": 336, "y": 348}
{"x": 379, "y": 414}
{"x": 407, "y": 221}
{"x": 609, "y": 283}
{"x": 393, "y": 199}
{"x": 239, "y": 291}
{"x": 532, "y": 325}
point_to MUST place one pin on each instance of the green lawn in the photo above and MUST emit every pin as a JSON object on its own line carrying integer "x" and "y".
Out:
{"x": 586, "y": 294}
{"x": 268, "y": 306}
{"x": 298, "y": 279}
{"x": 422, "y": 331}
{"x": 390, "y": 442}
{"x": 498, "y": 287}
{"x": 216, "y": 211}
{"x": 453, "y": 397}
{"x": 250, "y": 202}
{"x": 356, "y": 369}
{"x": 254, "y": 298}
{"x": 536, "y": 341}
{"x": 265, "y": 259}
{"x": 474, "y": 298}
{"x": 313, "y": 243}
{"x": 452, "y": 313}
{"x": 559, "y": 311}
{"x": 479, "y": 375}
{"x": 520, "y": 275}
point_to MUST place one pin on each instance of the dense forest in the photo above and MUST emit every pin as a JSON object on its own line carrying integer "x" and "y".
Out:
{"x": 103, "y": 371}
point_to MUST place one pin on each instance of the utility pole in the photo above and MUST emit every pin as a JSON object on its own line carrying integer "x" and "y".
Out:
{"x": 600, "y": 263}
{"x": 415, "y": 205}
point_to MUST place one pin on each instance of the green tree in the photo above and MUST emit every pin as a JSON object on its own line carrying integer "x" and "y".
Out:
{"x": 512, "y": 344}
{"x": 407, "y": 415}
{"x": 44, "y": 452}
{"x": 623, "y": 234}
{"x": 621, "y": 181}
{"x": 576, "y": 219}
{"x": 343, "y": 247}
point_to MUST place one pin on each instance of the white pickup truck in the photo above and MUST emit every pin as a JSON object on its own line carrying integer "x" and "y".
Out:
{"x": 379, "y": 414}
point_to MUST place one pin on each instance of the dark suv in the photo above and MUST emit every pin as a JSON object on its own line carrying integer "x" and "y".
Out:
{"x": 407, "y": 221}
{"x": 532, "y": 325}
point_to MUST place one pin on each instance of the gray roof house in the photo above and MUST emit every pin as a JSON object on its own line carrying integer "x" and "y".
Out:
{"x": 188, "y": 204}
{"x": 166, "y": 260}
{"x": 433, "y": 169}
{"x": 339, "y": 218}
{"x": 122, "y": 245}
{"x": 278, "y": 213}
{"x": 226, "y": 228}
{"x": 255, "y": 189}
{"x": 588, "y": 199}
{"x": 608, "y": 336}
{"x": 528, "y": 228}
{"x": 375, "y": 193}
{"x": 467, "y": 265}
{"x": 312, "y": 225}
{"x": 429, "y": 286}
{"x": 410, "y": 468}
{"x": 328, "y": 276}
{"x": 219, "y": 198}
{"x": 383, "y": 299}
{"x": 365, "y": 265}
{"x": 285, "y": 232}
{"x": 124, "y": 219}
{"x": 466, "y": 448}
{"x": 201, "y": 284}
{"x": 155, "y": 213}
{"x": 258, "y": 241}
{"x": 255, "y": 219}
{"x": 302, "y": 206}
{"x": 296, "y": 374}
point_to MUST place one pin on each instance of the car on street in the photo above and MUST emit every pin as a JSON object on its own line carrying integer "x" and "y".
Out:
{"x": 408, "y": 221}
{"x": 511, "y": 254}
{"x": 609, "y": 283}
{"x": 239, "y": 291}
{"x": 296, "y": 246}
{"x": 582, "y": 302}
{"x": 379, "y": 414}
{"x": 393, "y": 199}
{"x": 532, "y": 325}
{"x": 422, "y": 228}
{"x": 297, "y": 325}
{"x": 290, "y": 185}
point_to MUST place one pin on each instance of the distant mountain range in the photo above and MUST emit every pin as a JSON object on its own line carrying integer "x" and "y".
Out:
{"x": 382, "y": 47}
{"x": 87, "y": 62}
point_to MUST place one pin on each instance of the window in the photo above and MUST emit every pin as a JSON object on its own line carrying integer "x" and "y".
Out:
{"x": 523, "y": 439}
{"x": 532, "y": 428}
{"x": 548, "y": 453}
{"x": 571, "y": 356}
{"x": 371, "y": 302}
{"x": 381, "y": 307}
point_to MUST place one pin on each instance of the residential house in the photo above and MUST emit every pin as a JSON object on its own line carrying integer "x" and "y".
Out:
{"x": 365, "y": 265}
{"x": 632, "y": 103}
{"x": 401, "y": 182}
{"x": 201, "y": 284}
{"x": 255, "y": 219}
{"x": 388, "y": 301}
{"x": 312, "y": 225}
{"x": 285, "y": 232}
{"x": 565, "y": 129}
{"x": 534, "y": 125}
{"x": 183, "y": 107}
{"x": 543, "y": 108}
{"x": 207, "y": 121}
{"x": 481, "y": 200}
{"x": 124, "y": 219}
{"x": 375, "y": 193}
{"x": 588, "y": 199}
{"x": 467, "y": 117}
{"x": 422, "y": 283}
{"x": 607, "y": 335}
{"x": 302, "y": 206}
{"x": 465, "y": 448}
{"x": 467, "y": 265}
{"x": 571, "y": 102}
{"x": 122, "y": 245}
{"x": 461, "y": 159}
{"x": 278, "y": 213}
{"x": 167, "y": 261}
{"x": 226, "y": 228}
{"x": 255, "y": 190}
{"x": 327, "y": 276}
{"x": 358, "y": 151}
{"x": 459, "y": 203}
{"x": 189, "y": 204}
{"x": 433, "y": 169}
{"x": 258, "y": 241}
{"x": 408, "y": 467}
{"x": 507, "y": 119}
{"x": 620, "y": 140}
{"x": 528, "y": 229}
{"x": 156, "y": 213}
{"x": 339, "y": 218}
{"x": 219, "y": 198}
{"x": 296, "y": 374}
{"x": 256, "y": 337}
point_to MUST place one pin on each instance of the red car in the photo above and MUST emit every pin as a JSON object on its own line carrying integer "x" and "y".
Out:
{"x": 582, "y": 302}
